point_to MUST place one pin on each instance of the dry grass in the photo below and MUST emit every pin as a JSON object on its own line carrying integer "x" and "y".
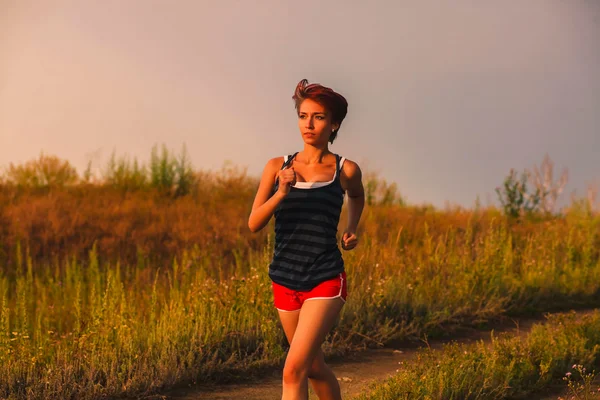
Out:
{"x": 510, "y": 367}
{"x": 176, "y": 290}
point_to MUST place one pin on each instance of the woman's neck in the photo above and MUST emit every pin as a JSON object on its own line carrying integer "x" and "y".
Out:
{"x": 314, "y": 155}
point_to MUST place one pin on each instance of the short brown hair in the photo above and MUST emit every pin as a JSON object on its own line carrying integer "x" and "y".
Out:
{"x": 332, "y": 101}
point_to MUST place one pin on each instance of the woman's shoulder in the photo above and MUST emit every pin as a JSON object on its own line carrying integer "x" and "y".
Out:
{"x": 350, "y": 169}
{"x": 351, "y": 178}
{"x": 274, "y": 164}
{"x": 276, "y": 161}
{"x": 350, "y": 172}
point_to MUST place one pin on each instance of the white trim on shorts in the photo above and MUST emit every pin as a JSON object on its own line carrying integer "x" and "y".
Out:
{"x": 279, "y": 309}
{"x": 339, "y": 295}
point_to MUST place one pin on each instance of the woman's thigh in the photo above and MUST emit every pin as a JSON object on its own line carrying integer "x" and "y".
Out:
{"x": 289, "y": 321}
{"x": 315, "y": 320}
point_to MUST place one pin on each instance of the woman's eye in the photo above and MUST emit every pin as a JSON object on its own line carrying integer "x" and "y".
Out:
{"x": 320, "y": 117}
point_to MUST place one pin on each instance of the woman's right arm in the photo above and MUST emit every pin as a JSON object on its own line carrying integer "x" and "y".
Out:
{"x": 264, "y": 204}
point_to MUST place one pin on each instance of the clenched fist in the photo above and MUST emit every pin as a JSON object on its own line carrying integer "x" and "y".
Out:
{"x": 287, "y": 177}
{"x": 349, "y": 240}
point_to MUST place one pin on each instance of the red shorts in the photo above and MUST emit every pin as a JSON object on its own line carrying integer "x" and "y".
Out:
{"x": 292, "y": 300}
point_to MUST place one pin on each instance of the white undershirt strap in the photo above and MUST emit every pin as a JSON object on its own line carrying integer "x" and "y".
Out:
{"x": 310, "y": 185}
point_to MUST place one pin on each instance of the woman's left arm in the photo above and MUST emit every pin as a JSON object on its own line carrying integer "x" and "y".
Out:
{"x": 352, "y": 183}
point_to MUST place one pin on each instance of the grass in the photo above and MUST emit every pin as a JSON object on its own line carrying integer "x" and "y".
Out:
{"x": 109, "y": 292}
{"x": 508, "y": 367}
{"x": 76, "y": 330}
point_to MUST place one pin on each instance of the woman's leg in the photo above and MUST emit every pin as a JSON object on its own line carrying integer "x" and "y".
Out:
{"x": 323, "y": 380}
{"x": 321, "y": 377}
{"x": 315, "y": 320}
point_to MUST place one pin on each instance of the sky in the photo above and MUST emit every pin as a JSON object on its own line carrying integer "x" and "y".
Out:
{"x": 445, "y": 97}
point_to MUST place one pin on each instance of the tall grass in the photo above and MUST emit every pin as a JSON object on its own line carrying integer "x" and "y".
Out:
{"x": 72, "y": 330}
{"x": 108, "y": 289}
{"x": 509, "y": 367}
{"x": 129, "y": 217}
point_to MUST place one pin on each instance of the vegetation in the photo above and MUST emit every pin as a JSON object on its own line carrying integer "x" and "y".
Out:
{"x": 518, "y": 199}
{"x": 510, "y": 367}
{"x": 148, "y": 277}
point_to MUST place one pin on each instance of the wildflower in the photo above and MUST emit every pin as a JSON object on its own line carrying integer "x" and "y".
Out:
{"x": 568, "y": 374}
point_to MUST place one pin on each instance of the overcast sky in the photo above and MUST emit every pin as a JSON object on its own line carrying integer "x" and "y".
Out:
{"x": 444, "y": 96}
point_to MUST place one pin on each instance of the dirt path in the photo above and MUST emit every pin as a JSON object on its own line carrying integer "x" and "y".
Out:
{"x": 355, "y": 372}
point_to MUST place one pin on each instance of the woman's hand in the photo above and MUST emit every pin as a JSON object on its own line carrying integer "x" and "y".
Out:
{"x": 351, "y": 179}
{"x": 287, "y": 177}
{"x": 265, "y": 202}
{"x": 349, "y": 240}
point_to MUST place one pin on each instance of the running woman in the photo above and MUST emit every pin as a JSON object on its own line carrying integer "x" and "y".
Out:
{"x": 305, "y": 191}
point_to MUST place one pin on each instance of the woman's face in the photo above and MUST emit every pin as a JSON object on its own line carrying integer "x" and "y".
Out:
{"x": 314, "y": 122}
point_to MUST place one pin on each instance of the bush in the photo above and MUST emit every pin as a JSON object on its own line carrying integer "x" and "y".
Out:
{"x": 515, "y": 197}
{"x": 46, "y": 171}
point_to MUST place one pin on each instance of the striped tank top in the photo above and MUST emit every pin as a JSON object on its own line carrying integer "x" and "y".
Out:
{"x": 306, "y": 221}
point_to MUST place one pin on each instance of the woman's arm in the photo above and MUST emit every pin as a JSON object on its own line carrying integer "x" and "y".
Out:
{"x": 356, "y": 202}
{"x": 264, "y": 204}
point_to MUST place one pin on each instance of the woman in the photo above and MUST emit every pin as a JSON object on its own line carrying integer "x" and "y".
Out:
{"x": 305, "y": 192}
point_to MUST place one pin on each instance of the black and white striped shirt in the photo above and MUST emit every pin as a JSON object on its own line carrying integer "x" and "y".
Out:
{"x": 306, "y": 250}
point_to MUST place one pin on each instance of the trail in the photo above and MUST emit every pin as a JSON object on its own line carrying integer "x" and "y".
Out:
{"x": 355, "y": 372}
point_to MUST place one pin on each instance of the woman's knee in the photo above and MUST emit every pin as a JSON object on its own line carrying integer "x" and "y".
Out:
{"x": 318, "y": 369}
{"x": 294, "y": 371}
